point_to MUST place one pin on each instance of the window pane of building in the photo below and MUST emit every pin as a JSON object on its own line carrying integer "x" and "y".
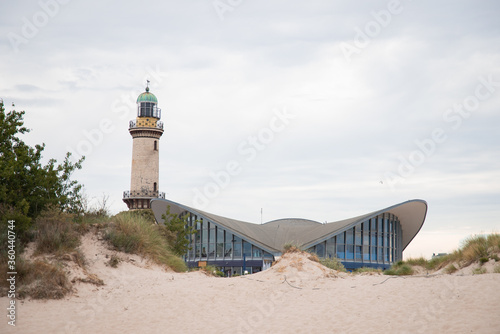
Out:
{"x": 211, "y": 251}
{"x": 247, "y": 249}
{"x": 220, "y": 235}
{"x": 257, "y": 252}
{"x": 366, "y": 253}
{"x": 374, "y": 253}
{"x": 219, "y": 250}
{"x": 330, "y": 247}
{"x": 349, "y": 238}
{"x": 320, "y": 249}
{"x": 357, "y": 235}
{"x": 237, "y": 249}
{"x": 341, "y": 252}
{"x": 340, "y": 238}
{"x": 228, "y": 250}
{"x": 358, "y": 252}
{"x": 349, "y": 253}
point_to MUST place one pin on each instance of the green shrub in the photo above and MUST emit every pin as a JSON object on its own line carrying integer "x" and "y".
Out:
{"x": 56, "y": 232}
{"x": 483, "y": 260}
{"x": 291, "y": 248}
{"x": 113, "y": 261}
{"x": 479, "y": 271}
{"x": 368, "y": 270}
{"x": 212, "y": 271}
{"x": 496, "y": 270}
{"x": 417, "y": 262}
{"x": 333, "y": 263}
{"x": 133, "y": 233}
{"x": 399, "y": 270}
{"x": 38, "y": 280}
{"x": 450, "y": 269}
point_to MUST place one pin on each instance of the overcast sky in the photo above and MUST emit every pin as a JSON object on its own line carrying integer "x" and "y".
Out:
{"x": 319, "y": 109}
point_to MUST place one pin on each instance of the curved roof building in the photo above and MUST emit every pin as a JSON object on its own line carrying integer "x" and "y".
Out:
{"x": 376, "y": 239}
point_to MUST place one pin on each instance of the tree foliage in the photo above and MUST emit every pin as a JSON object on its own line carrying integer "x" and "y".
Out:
{"x": 27, "y": 186}
{"x": 178, "y": 232}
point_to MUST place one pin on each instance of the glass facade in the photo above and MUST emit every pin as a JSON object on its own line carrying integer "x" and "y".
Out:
{"x": 375, "y": 242}
{"x": 213, "y": 245}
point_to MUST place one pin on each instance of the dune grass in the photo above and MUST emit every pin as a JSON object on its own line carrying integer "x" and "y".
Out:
{"x": 333, "y": 263}
{"x": 135, "y": 233}
{"x": 367, "y": 270}
{"x": 56, "y": 233}
{"x": 37, "y": 280}
{"x": 399, "y": 269}
{"x": 476, "y": 248}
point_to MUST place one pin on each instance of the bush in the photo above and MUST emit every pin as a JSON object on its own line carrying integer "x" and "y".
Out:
{"x": 56, "y": 232}
{"x": 479, "y": 271}
{"x": 368, "y": 270}
{"x": 450, "y": 269}
{"x": 483, "y": 260}
{"x": 417, "y": 262}
{"x": 291, "y": 248}
{"x": 399, "y": 270}
{"x": 496, "y": 270}
{"x": 212, "y": 271}
{"x": 133, "y": 233}
{"x": 113, "y": 261}
{"x": 38, "y": 280}
{"x": 333, "y": 263}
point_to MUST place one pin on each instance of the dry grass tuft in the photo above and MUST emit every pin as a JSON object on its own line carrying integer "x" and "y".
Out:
{"x": 291, "y": 248}
{"x": 136, "y": 234}
{"x": 38, "y": 280}
{"x": 56, "y": 233}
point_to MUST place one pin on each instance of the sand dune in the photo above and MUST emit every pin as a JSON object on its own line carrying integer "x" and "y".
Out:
{"x": 294, "y": 296}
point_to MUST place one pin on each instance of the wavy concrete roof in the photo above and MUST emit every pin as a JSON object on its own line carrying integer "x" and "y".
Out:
{"x": 271, "y": 236}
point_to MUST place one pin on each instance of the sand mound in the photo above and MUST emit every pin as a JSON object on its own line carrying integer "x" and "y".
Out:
{"x": 297, "y": 269}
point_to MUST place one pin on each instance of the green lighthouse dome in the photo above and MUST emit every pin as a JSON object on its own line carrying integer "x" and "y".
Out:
{"x": 147, "y": 97}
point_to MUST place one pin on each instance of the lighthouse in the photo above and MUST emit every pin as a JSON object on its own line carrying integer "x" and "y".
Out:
{"x": 146, "y": 131}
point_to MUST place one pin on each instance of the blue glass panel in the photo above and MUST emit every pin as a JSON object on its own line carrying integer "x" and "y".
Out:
{"x": 340, "y": 252}
{"x": 358, "y": 252}
{"x": 380, "y": 254}
{"x": 374, "y": 253}
{"x": 330, "y": 247}
{"x": 340, "y": 238}
{"x": 357, "y": 235}
{"x": 374, "y": 239}
{"x": 349, "y": 254}
{"x": 320, "y": 249}
{"x": 366, "y": 253}
{"x": 247, "y": 249}
{"x": 228, "y": 251}
{"x": 220, "y": 234}
{"x": 237, "y": 249}
{"x": 211, "y": 236}
{"x": 211, "y": 250}
{"x": 349, "y": 238}
{"x": 220, "y": 250}
{"x": 257, "y": 252}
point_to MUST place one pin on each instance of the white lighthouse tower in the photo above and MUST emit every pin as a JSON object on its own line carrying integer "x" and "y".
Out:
{"x": 146, "y": 131}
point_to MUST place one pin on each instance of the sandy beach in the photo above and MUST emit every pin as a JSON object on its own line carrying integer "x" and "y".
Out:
{"x": 294, "y": 296}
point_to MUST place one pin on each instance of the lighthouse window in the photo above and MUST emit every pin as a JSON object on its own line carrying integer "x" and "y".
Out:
{"x": 155, "y": 146}
{"x": 154, "y": 186}
{"x": 146, "y": 109}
